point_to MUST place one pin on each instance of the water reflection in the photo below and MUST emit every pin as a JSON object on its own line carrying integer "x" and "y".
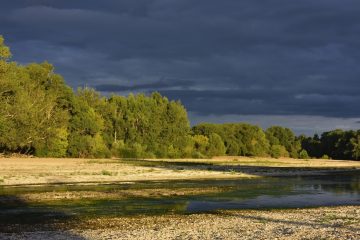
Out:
{"x": 285, "y": 192}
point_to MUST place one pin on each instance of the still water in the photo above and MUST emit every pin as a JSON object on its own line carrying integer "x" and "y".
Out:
{"x": 331, "y": 189}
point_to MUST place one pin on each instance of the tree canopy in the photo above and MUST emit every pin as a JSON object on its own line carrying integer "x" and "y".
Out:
{"x": 41, "y": 115}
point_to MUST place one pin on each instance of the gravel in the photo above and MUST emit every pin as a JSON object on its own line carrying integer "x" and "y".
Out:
{"x": 315, "y": 223}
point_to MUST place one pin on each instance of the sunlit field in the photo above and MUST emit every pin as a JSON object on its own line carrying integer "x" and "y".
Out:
{"x": 63, "y": 170}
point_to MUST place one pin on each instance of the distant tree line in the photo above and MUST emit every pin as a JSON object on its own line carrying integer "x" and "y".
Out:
{"x": 241, "y": 139}
{"x": 41, "y": 115}
{"x": 336, "y": 144}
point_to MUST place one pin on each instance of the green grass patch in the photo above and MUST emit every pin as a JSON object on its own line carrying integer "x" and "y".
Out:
{"x": 106, "y": 173}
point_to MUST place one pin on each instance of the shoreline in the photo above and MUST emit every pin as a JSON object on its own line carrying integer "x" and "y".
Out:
{"x": 45, "y": 171}
{"x": 210, "y": 178}
{"x": 337, "y": 222}
{"x": 340, "y": 222}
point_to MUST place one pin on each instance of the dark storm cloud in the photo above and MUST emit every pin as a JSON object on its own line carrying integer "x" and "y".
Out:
{"x": 274, "y": 57}
{"x": 162, "y": 84}
{"x": 252, "y": 102}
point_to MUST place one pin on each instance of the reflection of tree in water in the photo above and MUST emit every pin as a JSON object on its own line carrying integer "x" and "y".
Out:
{"x": 58, "y": 215}
{"x": 343, "y": 183}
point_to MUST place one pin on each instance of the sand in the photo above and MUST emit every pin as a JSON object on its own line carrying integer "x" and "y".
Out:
{"x": 22, "y": 171}
{"x": 318, "y": 223}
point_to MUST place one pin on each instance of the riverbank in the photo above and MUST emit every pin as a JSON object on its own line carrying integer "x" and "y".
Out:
{"x": 314, "y": 223}
{"x": 28, "y": 171}
{"x": 163, "y": 199}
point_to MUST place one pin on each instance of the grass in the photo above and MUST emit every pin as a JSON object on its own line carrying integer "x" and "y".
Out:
{"x": 44, "y": 174}
{"x": 101, "y": 161}
{"x": 251, "y": 161}
{"x": 37, "y": 170}
{"x": 108, "y": 173}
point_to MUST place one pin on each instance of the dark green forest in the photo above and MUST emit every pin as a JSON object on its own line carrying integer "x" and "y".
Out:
{"x": 42, "y": 116}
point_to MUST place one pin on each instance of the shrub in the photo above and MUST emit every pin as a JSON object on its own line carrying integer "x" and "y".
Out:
{"x": 216, "y": 146}
{"x": 278, "y": 151}
{"x": 325, "y": 157}
{"x": 106, "y": 172}
{"x": 197, "y": 154}
{"x": 173, "y": 152}
{"x": 303, "y": 154}
{"x": 117, "y": 148}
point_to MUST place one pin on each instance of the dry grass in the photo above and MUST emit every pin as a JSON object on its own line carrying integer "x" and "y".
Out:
{"x": 272, "y": 162}
{"x": 15, "y": 171}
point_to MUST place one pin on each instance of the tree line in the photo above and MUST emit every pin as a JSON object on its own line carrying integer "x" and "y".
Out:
{"x": 336, "y": 144}
{"x": 241, "y": 139}
{"x": 42, "y": 116}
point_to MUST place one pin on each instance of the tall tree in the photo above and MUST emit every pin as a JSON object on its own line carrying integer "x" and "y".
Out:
{"x": 281, "y": 136}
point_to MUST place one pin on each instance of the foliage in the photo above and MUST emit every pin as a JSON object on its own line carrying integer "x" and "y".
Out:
{"x": 279, "y": 136}
{"x": 216, "y": 146}
{"x": 325, "y": 156}
{"x": 239, "y": 138}
{"x": 41, "y": 115}
{"x": 336, "y": 144}
{"x": 277, "y": 151}
{"x": 303, "y": 154}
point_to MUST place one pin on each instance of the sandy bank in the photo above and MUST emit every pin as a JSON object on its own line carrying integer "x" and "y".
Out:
{"x": 17, "y": 171}
{"x": 317, "y": 223}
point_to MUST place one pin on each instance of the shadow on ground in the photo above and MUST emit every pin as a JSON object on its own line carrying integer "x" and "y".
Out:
{"x": 293, "y": 222}
{"x": 246, "y": 169}
{"x": 19, "y": 220}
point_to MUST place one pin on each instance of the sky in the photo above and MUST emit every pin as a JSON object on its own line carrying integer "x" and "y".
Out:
{"x": 266, "y": 62}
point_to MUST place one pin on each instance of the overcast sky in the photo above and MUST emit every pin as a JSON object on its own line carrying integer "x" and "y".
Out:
{"x": 293, "y": 63}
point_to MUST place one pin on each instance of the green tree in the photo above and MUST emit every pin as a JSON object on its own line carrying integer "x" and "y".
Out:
{"x": 312, "y": 145}
{"x": 355, "y": 142}
{"x": 303, "y": 154}
{"x": 253, "y": 141}
{"x": 215, "y": 146}
{"x": 201, "y": 144}
{"x": 284, "y": 137}
{"x": 4, "y": 50}
{"x": 277, "y": 151}
{"x": 86, "y": 125}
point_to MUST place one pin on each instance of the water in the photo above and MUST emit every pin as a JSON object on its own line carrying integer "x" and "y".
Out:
{"x": 332, "y": 189}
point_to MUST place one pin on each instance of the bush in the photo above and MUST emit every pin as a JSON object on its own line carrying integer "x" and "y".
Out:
{"x": 303, "y": 154}
{"x": 216, "y": 146}
{"x": 201, "y": 143}
{"x": 278, "y": 151}
{"x": 135, "y": 150}
{"x": 197, "y": 154}
{"x": 55, "y": 146}
{"x": 173, "y": 152}
{"x": 100, "y": 150}
{"x": 106, "y": 173}
{"x": 80, "y": 146}
{"x": 232, "y": 148}
{"x": 325, "y": 157}
{"x": 117, "y": 148}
